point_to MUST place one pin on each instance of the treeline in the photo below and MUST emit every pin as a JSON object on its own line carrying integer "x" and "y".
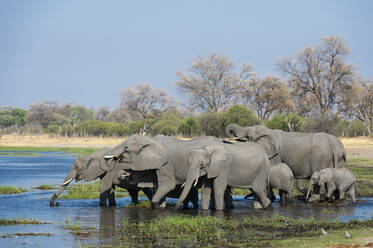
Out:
{"x": 319, "y": 91}
{"x": 167, "y": 123}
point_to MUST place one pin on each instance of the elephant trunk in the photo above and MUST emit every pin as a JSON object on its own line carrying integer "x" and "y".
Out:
{"x": 193, "y": 174}
{"x": 68, "y": 179}
{"x": 234, "y": 130}
{"x": 308, "y": 191}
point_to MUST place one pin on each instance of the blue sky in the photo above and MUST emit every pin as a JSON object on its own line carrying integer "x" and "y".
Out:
{"x": 86, "y": 52}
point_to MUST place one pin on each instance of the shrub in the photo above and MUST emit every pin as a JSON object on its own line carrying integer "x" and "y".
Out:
{"x": 286, "y": 122}
{"x": 53, "y": 129}
{"x": 190, "y": 127}
{"x": 167, "y": 125}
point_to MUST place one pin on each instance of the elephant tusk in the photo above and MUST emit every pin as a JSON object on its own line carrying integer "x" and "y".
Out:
{"x": 182, "y": 185}
{"x": 195, "y": 182}
{"x": 109, "y": 156}
{"x": 67, "y": 182}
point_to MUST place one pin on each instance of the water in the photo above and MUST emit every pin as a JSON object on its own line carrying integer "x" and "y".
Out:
{"x": 51, "y": 168}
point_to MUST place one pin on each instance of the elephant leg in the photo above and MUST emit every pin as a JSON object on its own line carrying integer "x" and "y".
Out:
{"x": 259, "y": 188}
{"x": 341, "y": 194}
{"x": 206, "y": 194}
{"x": 186, "y": 202}
{"x": 112, "y": 196}
{"x": 104, "y": 197}
{"x": 282, "y": 196}
{"x": 220, "y": 184}
{"x": 351, "y": 193}
{"x": 300, "y": 187}
{"x": 166, "y": 183}
{"x": 148, "y": 192}
{"x": 331, "y": 189}
{"x": 194, "y": 197}
{"x": 134, "y": 193}
{"x": 228, "y": 200}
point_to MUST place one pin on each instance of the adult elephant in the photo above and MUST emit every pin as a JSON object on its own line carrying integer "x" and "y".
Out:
{"x": 241, "y": 165}
{"x": 93, "y": 166}
{"x": 304, "y": 153}
{"x": 165, "y": 156}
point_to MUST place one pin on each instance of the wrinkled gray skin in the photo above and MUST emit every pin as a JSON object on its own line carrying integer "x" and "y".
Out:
{"x": 93, "y": 166}
{"x": 340, "y": 179}
{"x": 240, "y": 165}
{"x": 280, "y": 177}
{"x": 304, "y": 153}
{"x": 167, "y": 157}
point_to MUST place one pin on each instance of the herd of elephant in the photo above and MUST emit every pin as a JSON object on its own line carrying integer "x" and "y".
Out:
{"x": 261, "y": 160}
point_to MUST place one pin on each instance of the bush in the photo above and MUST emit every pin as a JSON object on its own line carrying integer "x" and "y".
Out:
{"x": 53, "y": 129}
{"x": 286, "y": 122}
{"x": 101, "y": 128}
{"x": 214, "y": 124}
{"x": 167, "y": 125}
{"x": 190, "y": 127}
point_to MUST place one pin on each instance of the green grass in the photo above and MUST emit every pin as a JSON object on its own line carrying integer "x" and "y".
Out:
{"x": 209, "y": 231}
{"x": 45, "y": 187}
{"x": 90, "y": 191}
{"x": 75, "y": 150}
{"x": 11, "y": 190}
{"x": 141, "y": 204}
{"x": 19, "y": 154}
{"x": 359, "y": 161}
{"x": 24, "y": 234}
{"x": 7, "y": 222}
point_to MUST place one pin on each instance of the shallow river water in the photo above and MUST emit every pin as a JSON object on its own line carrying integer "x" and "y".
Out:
{"x": 52, "y": 167}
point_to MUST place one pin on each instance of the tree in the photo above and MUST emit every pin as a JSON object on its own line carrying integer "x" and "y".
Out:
{"x": 211, "y": 84}
{"x": 287, "y": 122}
{"x": 358, "y": 102}
{"x": 317, "y": 76}
{"x": 12, "y": 116}
{"x": 268, "y": 95}
{"x": 101, "y": 113}
{"x": 144, "y": 100}
{"x": 42, "y": 113}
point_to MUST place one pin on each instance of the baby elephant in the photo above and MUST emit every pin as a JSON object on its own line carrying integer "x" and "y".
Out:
{"x": 280, "y": 177}
{"x": 340, "y": 179}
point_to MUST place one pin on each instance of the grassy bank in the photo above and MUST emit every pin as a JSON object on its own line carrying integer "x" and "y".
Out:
{"x": 75, "y": 150}
{"x": 11, "y": 190}
{"x": 185, "y": 231}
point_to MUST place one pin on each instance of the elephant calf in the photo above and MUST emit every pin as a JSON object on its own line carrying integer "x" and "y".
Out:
{"x": 280, "y": 177}
{"x": 336, "y": 179}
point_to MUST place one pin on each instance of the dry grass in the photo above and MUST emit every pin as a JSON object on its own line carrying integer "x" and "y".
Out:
{"x": 357, "y": 142}
{"x": 54, "y": 141}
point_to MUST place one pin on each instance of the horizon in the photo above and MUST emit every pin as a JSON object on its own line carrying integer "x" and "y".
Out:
{"x": 87, "y": 52}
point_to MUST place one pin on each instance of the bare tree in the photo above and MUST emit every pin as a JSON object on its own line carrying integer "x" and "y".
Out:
{"x": 211, "y": 84}
{"x": 318, "y": 75}
{"x": 358, "y": 102}
{"x": 42, "y": 113}
{"x": 144, "y": 100}
{"x": 267, "y": 95}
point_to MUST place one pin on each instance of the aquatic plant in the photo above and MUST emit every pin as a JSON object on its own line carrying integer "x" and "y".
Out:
{"x": 14, "y": 221}
{"x": 11, "y": 190}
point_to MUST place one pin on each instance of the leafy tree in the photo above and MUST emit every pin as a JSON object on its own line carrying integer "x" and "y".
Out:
{"x": 12, "y": 116}
{"x": 211, "y": 84}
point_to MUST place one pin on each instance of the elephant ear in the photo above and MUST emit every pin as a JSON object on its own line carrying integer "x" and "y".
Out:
{"x": 219, "y": 159}
{"x": 268, "y": 140}
{"x": 323, "y": 177}
{"x": 151, "y": 155}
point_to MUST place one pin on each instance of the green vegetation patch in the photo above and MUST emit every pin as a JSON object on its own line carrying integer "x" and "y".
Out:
{"x": 209, "y": 231}
{"x": 89, "y": 191}
{"x": 359, "y": 161}
{"x": 7, "y": 222}
{"x": 75, "y": 150}
{"x": 141, "y": 204}
{"x": 45, "y": 187}
{"x": 19, "y": 154}
{"x": 24, "y": 234}
{"x": 11, "y": 190}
